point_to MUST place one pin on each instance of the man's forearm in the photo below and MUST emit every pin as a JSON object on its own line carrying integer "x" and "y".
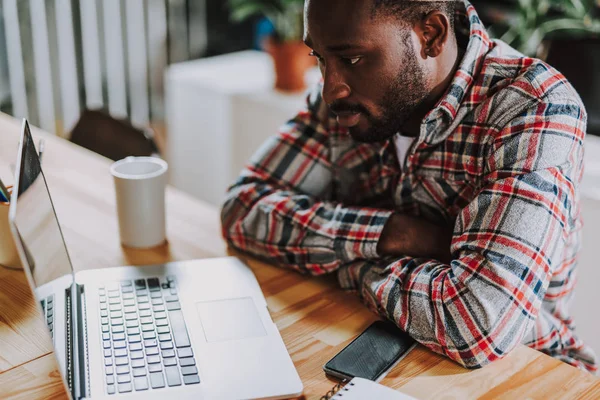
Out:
{"x": 409, "y": 236}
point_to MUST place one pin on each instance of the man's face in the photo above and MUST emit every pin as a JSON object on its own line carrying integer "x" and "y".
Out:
{"x": 373, "y": 80}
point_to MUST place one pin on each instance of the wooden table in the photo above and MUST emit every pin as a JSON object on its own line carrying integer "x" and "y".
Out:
{"x": 316, "y": 319}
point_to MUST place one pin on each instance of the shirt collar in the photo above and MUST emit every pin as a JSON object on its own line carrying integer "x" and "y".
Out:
{"x": 434, "y": 128}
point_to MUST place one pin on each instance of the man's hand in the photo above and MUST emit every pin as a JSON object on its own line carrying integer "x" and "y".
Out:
{"x": 409, "y": 236}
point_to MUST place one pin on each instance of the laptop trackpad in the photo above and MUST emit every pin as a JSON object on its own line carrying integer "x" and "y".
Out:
{"x": 231, "y": 319}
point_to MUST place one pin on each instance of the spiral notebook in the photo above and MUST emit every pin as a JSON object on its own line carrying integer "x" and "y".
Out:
{"x": 360, "y": 389}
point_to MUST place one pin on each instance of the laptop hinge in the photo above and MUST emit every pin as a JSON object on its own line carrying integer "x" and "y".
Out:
{"x": 77, "y": 343}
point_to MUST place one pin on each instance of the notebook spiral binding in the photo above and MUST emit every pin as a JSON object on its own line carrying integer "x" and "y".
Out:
{"x": 329, "y": 395}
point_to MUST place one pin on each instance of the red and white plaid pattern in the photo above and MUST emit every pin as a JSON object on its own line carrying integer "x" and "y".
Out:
{"x": 500, "y": 157}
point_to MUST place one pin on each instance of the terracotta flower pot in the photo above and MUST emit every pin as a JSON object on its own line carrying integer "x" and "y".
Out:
{"x": 291, "y": 63}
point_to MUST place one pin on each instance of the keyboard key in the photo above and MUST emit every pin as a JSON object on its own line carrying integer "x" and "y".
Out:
{"x": 145, "y": 313}
{"x": 150, "y": 343}
{"x": 107, "y": 353}
{"x": 164, "y": 337}
{"x": 140, "y": 383}
{"x": 140, "y": 283}
{"x": 158, "y": 308}
{"x": 153, "y": 359}
{"x": 103, "y": 306}
{"x": 120, "y": 344}
{"x": 121, "y": 361}
{"x": 123, "y": 378}
{"x": 146, "y": 320}
{"x": 109, "y": 370}
{"x": 141, "y": 292}
{"x": 144, "y": 306}
{"x": 106, "y": 344}
{"x": 131, "y": 323}
{"x": 163, "y": 329}
{"x": 135, "y": 346}
{"x": 189, "y": 370}
{"x": 157, "y": 301}
{"x": 128, "y": 302}
{"x": 125, "y": 283}
{"x": 130, "y": 317}
{"x": 173, "y": 378}
{"x": 137, "y": 363}
{"x": 136, "y": 354}
{"x": 152, "y": 351}
{"x": 115, "y": 307}
{"x": 168, "y": 353}
{"x": 106, "y": 336}
{"x": 173, "y": 291}
{"x": 110, "y": 379}
{"x": 129, "y": 309}
{"x": 135, "y": 339}
{"x": 119, "y": 336}
{"x": 165, "y": 285}
{"x": 157, "y": 380}
{"x": 114, "y": 300}
{"x": 127, "y": 289}
{"x": 113, "y": 294}
{"x": 116, "y": 314}
{"x": 148, "y": 328}
{"x": 149, "y": 335}
{"x": 117, "y": 321}
{"x": 187, "y": 362}
{"x": 191, "y": 379}
{"x": 50, "y": 320}
{"x": 161, "y": 314}
{"x": 169, "y": 361}
{"x": 108, "y": 361}
{"x": 123, "y": 369}
{"x": 133, "y": 331}
{"x": 104, "y": 321}
{"x": 139, "y": 372}
{"x": 125, "y": 387}
{"x": 179, "y": 329}
{"x": 142, "y": 299}
{"x": 155, "y": 295}
{"x": 173, "y": 306}
{"x": 185, "y": 352}
{"x": 118, "y": 329}
{"x": 103, "y": 313}
{"x": 110, "y": 389}
{"x": 127, "y": 295}
{"x": 166, "y": 345}
{"x": 113, "y": 286}
{"x": 161, "y": 322}
{"x": 154, "y": 367}
{"x": 120, "y": 352}
{"x": 171, "y": 299}
{"x": 153, "y": 284}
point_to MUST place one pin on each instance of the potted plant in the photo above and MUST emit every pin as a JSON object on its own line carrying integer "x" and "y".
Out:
{"x": 566, "y": 34}
{"x": 290, "y": 54}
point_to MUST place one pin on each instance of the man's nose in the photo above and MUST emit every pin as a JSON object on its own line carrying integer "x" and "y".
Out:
{"x": 334, "y": 86}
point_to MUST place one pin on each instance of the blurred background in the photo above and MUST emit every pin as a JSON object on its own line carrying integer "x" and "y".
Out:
{"x": 203, "y": 83}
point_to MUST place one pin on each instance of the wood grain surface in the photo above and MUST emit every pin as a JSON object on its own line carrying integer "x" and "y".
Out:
{"x": 315, "y": 317}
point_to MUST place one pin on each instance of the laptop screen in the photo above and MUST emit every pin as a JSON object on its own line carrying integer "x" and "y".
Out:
{"x": 35, "y": 218}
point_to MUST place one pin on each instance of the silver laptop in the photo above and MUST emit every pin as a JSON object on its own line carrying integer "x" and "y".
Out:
{"x": 194, "y": 329}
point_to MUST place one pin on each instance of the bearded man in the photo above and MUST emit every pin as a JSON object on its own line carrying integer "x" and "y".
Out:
{"x": 434, "y": 170}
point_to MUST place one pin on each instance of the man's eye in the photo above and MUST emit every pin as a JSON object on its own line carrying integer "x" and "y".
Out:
{"x": 352, "y": 60}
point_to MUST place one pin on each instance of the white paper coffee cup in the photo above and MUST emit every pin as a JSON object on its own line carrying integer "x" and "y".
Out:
{"x": 140, "y": 184}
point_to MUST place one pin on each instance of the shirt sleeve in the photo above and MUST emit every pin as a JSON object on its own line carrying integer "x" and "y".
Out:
{"x": 507, "y": 244}
{"x": 282, "y": 206}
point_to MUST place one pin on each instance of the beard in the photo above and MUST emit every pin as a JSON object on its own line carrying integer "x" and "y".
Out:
{"x": 400, "y": 101}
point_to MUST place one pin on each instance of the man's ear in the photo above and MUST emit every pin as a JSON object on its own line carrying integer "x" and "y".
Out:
{"x": 433, "y": 31}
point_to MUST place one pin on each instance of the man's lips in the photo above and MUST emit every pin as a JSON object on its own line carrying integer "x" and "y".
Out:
{"x": 348, "y": 119}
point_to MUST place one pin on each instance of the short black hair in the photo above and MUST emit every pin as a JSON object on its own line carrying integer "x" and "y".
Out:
{"x": 411, "y": 11}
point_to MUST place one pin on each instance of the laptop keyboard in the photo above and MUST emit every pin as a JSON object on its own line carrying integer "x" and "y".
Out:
{"x": 48, "y": 309}
{"x": 145, "y": 340}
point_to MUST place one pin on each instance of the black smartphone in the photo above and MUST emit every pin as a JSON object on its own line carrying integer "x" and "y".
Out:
{"x": 372, "y": 354}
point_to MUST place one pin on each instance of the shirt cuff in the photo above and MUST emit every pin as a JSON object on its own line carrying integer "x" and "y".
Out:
{"x": 358, "y": 239}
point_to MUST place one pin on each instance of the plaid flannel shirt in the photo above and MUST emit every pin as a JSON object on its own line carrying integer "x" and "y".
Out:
{"x": 500, "y": 157}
